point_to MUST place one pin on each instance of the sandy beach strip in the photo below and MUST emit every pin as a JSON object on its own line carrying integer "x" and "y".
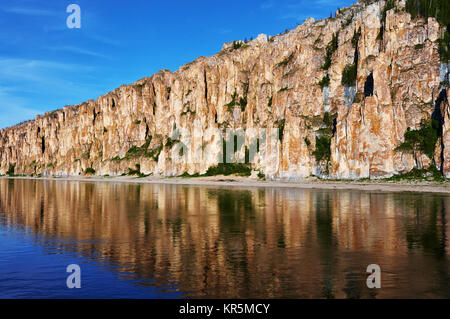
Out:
{"x": 246, "y": 182}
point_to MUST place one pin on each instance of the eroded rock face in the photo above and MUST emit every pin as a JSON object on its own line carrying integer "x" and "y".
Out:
{"x": 265, "y": 83}
{"x": 444, "y": 147}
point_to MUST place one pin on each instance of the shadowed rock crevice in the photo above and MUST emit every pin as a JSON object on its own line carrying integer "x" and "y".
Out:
{"x": 206, "y": 87}
{"x": 368, "y": 86}
{"x": 147, "y": 129}
{"x": 439, "y": 118}
{"x": 43, "y": 144}
{"x": 333, "y": 131}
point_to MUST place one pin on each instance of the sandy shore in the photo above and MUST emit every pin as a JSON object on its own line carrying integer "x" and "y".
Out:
{"x": 245, "y": 182}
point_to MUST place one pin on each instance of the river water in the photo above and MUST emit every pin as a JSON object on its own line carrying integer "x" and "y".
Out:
{"x": 174, "y": 241}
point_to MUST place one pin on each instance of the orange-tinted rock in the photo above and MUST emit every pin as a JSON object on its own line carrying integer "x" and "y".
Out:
{"x": 279, "y": 78}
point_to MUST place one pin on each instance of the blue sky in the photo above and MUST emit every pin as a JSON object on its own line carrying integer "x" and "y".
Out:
{"x": 44, "y": 65}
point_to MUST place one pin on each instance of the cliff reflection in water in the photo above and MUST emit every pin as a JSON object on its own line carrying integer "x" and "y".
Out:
{"x": 230, "y": 242}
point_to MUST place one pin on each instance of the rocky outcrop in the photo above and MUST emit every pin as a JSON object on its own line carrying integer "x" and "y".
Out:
{"x": 175, "y": 122}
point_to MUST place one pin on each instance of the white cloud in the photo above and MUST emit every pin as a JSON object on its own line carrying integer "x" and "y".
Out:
{"x": 31, "y": 11}
{"x": 13, "y": 108}
{"x": 224, "y": 31}
{"x": 314, "y": 3}
{"x": 296, "y": 16}
{"x": 79, "y": 50}
{"x": 28, "y": 80}
{"x": 12, "y": 69}
{"x": 102, "y": 39}
{"x": 267, "y": 5}
{"x": 296, "y": 10}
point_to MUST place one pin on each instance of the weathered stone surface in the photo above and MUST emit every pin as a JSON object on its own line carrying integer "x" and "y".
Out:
{"x": 272, "y": 81}
{"x": 445, "y": 145}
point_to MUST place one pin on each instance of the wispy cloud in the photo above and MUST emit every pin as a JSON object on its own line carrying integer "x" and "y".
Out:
{"x": 78, "y": 50}
{"x": 29, "y": 69}
{"x": 102, "y": 39}
{"x": 13, "y": 108}
{"x": 224, "y": 31}
{"x": 313, "y": 3}
{"x": 267, "y": 5}
{"x": 293, "y": 15}
{"x": 303, "y": 9}
{"x": 326, "y": 2}
{"x": 22, "y": 80}
{"x": 30, "y": 11}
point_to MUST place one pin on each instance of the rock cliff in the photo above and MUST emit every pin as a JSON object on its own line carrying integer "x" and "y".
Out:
{"x": 342, "y": 95}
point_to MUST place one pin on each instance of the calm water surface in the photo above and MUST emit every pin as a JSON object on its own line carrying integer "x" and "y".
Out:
{"x": 170, "y": 241}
